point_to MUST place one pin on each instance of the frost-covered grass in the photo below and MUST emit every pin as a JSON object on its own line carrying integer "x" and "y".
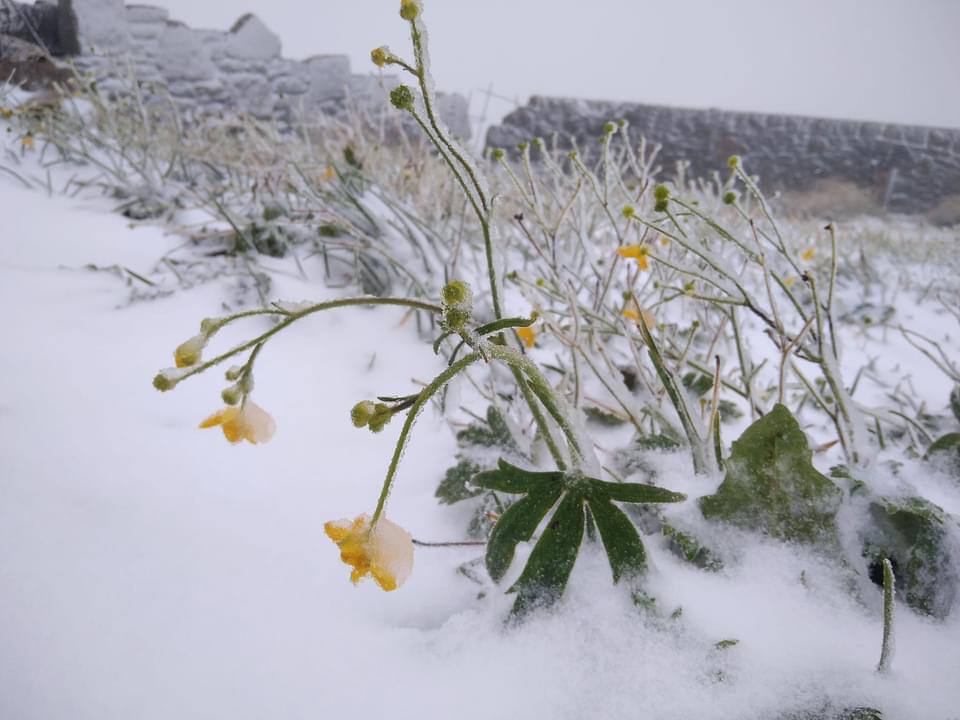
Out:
{"x": 148, "y": 569}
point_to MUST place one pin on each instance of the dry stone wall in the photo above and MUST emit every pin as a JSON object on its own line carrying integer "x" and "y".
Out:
{"x": 204, "y": 71}
{"x": 905, "y": 169}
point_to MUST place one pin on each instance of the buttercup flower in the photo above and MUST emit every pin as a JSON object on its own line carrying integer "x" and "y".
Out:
{"x": 631, "y": 313}
{"x": 385, "y": 552}
{"x": 528, "y": 335}
{"x": 638, "y": 253}
{"x": 248, "y": 422}
{"x": 807, "y": 255}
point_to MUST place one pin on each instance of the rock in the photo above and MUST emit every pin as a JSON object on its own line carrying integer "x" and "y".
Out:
{"x": 93, "y": 25}
{"x": 920, "y": 540}
{"x": 894, "y": 167}
{"x": 250, "y": 39}
{"x": 183, "y": 56}
{"x": 37, "y": 24}
{"x": 27, "y": 65}
{"x": 327, "y": 77}
{"x": 771, "y": 485}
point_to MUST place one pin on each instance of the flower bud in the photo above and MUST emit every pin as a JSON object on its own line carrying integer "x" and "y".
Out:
{"x": 660, "y": 206}
{"x": 233, "y": 373}
{"x": 380, "y": 417}
{"x": 409, "y": 9}
{"x": 628, "y": 211}
{"x": 401, "y": 97}
{"x": 730, "y": 198}
{"x": 522, "y": 147}
{"x": 208, "y": 326}
{"x": 733, "y": 162}
{"x": 497, "y": 154}
{"x": 163, "y": 382}
{"x": 232, "y": 395}
{"x": 361, "y": 413}
{"x": 189, "y": 353}
{"x": 456, "y": 318}
{"x": 661, "y": 193}
{"x": 609, "y": 128}
{"x": 456, "y": 292}
{"x": 380, "y": 56}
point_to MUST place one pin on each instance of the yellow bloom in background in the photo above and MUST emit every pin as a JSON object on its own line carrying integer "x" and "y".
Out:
{"x": 636, "y": 252}
{"x": 28, "y": 142}
{"x": 807, "y": 255}
{"x": 385, "y": 552}
{"x": 789, "y": 281}
{"x": 631, "y": 313}
{"x": 248, "y": 422}
{"x": 528, "y": 335}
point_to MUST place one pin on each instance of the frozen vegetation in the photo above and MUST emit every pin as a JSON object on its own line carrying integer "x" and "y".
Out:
{"x": 737, "y": 429}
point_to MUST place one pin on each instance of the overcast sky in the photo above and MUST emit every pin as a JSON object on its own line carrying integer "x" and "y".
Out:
{"x": 888, "y": 60}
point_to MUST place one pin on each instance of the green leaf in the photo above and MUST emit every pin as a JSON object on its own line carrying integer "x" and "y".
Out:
{"x": 955, "y": 402}
{"x": 771, "y": 484}
{"x": 510, "y": 479}
{"x": 455, "y": 485}
{"x": 603, "y": 417}
{"x": 494, "y": 433}
{"x": 620, "y": 539}
{"x": 545, "y": 576}
{"x": 697, "y": 383}
{"x": 946, "y": 451}
{"x": 516, "y": 525}
{"x": 634, "y": 492}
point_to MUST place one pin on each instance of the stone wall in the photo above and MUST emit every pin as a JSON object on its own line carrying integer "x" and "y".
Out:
{"x": 903, "y": 168}
{"x": 204, "y": 71}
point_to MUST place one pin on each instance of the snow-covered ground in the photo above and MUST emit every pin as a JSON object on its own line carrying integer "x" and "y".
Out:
{"x": 150, "y": 570}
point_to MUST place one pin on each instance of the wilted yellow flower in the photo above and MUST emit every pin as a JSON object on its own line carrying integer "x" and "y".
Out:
{"x": 528, "y": 335}
{"x": 248, "y": 422}
{"x": 329, "y": 174}
{"x": 631, "y": 313}
{"x": 807, "y": 255}
{"x": 384, "y": 552}
{"x": 28, "y": 142}
{"x": 636, "y": 252}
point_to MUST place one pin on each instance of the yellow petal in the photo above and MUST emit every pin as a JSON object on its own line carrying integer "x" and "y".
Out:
{"x": 384, "y": 552}
{"x": 629, "y": 251}
{"x": 807, "y": 255}
{"x": 528, "y": 335}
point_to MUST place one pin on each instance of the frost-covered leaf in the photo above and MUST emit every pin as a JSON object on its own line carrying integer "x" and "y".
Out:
{"x": 546, "y": 573}
{"x": 603, "y": 417}
{"x": 687, "y": 547}
{"x": 697, "y": 383}
{"x": 494, "y": 433}
{"x": 620, "y": 539}
{"x": 510, "y": 479}
{"x": 455, "y": 485}
{"x": 516, "y": 525}
{"x": 635, "y": 492}
{"x": 946, "y": 452}
{"x": 771, "y": 484}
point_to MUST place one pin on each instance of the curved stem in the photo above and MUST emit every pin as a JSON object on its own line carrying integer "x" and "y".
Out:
{"x": 429, "y": 391}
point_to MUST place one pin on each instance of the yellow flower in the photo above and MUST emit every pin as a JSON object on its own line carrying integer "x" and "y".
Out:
{"x": 528, "y": 335}
{"x": 384, "y": 552}
{"x": 631, "y": 313}
{"x": 638, "y": 253}
{"x": 248, "y": 422}
{"x": 807, "y": 255}
{"x": 188, "y": 353}
{"x": 789, "y": 281}
{"x": 28, "y": 142}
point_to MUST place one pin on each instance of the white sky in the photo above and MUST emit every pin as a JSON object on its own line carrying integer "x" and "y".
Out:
{"x": 888, "y": 60}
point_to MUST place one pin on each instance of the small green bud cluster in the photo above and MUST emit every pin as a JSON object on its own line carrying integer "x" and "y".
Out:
{"x": 401, "y": 97}
{"x": 164, "y": 382}
{"x": 457, "y": 300}
{"x": 661, "y": 194}
{"x": 729, "y": 198}
{"x": 522, "y": 146}
{"x": 609, "y": 128}
{"x": 497, "y": 154}
{"x": 371, "y": 415}
{"x": 628, "y": 211}
{"x": 733, "y": 162}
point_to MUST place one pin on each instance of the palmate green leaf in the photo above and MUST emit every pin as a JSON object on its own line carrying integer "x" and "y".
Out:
{"x": 456, "y": 485}
{"x": 545, "y": 576}
{"x": 510, "y": 479}
{"x": 620, "y": 539}
{"x": 634, "y": 492}
{"x": 516, "y": 525}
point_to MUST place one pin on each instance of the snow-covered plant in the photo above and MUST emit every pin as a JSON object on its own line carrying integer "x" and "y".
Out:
{"x": 570, "y": 494}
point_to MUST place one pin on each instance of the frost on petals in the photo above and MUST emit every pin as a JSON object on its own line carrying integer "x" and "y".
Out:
{"x": 249, "y": 422}
{"x": 385, "y": 552}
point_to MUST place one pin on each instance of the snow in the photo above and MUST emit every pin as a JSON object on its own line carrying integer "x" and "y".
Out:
{"x": 150, "y": 570}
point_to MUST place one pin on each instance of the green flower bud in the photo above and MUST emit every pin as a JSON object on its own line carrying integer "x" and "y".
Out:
{"x": 456, "y": 318}
{"x": 733, "y": 162}
{"x": 164, "y": 382}
{"x": 380, "y": 417}
{"x": 660, "y": 206}
{"x": 233, "y": 373}
{"x": 661, "y": 193}
{"x": 609, "y": 128}
{"x": 232, "y": 395}
{"x": 401, "y": 97}
{"x": 572, "y": 155}
{"x": 361, "y": 413}
{"x": 729, "y": 198}
{"x": 409, "y": 9}
{"x": 628, "y": 211}
{"x": 208, "y": 326}
{"x": 522, "y": 147}
{"x": 497, "y": 154}
{"x": 380, "y": 56}
{"x": 456, "y": 292}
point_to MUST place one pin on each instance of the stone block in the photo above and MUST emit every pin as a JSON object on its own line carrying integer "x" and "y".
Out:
{"x": 250, "y": 39}
{"x": 98, "y": 26}
{"x": 182, "y": 55}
